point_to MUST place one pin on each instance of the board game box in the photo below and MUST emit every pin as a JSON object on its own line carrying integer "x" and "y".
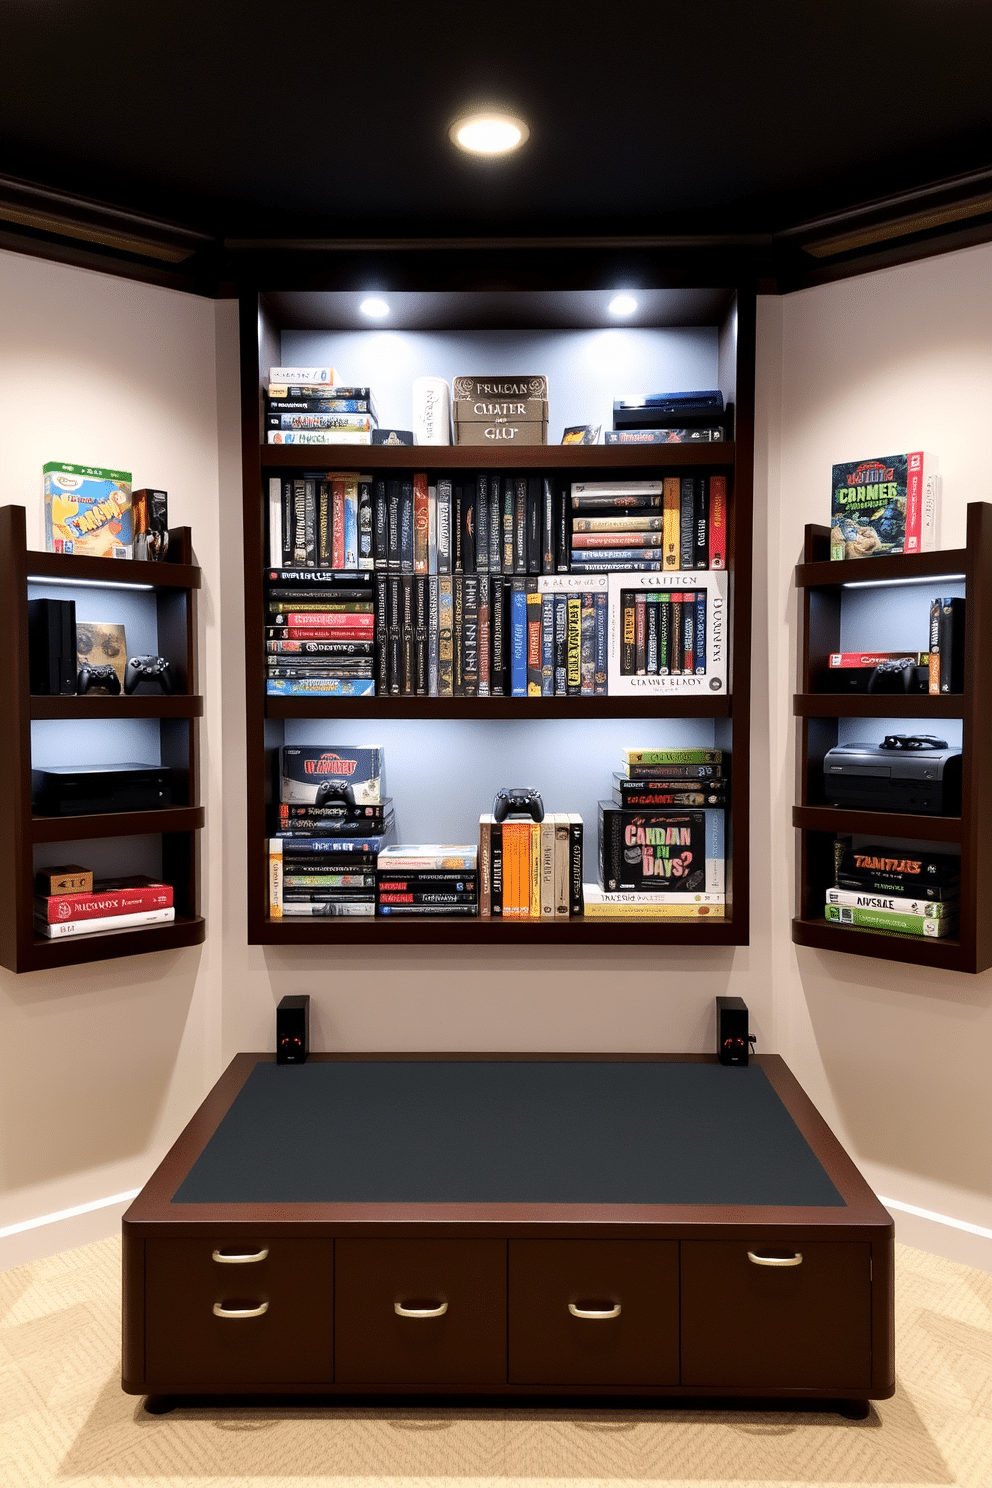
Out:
{"x": 884, "y": 505}
{"x": 87, "y": 510}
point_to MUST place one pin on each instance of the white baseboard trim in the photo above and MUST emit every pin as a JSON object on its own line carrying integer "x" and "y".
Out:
{"x": 50, "y": 1234}
{"x": 955, "y": 1239}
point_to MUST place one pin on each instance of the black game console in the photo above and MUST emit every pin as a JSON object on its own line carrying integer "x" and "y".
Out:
{"x": 78, "y": 790}
{"x": 52, "y": 646}
{"x": 889, "y": 676}
{"x": 906, "y": 772}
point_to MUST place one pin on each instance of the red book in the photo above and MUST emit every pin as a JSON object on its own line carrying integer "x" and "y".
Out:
{"x": 718, "y": 521}
{"x": 324, "y": 633}
{"x": 110, "y": 896}
{"x": 329, "y": 620}
{"x": 421, "y": 521}
{"x": 337, "y": 524}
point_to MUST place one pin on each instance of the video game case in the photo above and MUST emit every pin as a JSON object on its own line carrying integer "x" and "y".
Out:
{"x": 332, "y": 909}
{"x": 481, "y": 523}
{"x": 882, "y": 870}
{"x": 882, "y": 919}
{"x": 518, "y": 637}
{"x": 457, "y": 629}
{"x": 687, "y": 502}
{"x": 632, "y": 796}
{"x": 534, "y": 537}
{"x": 950, "y": 645}
{"x": 320, "y": 687}
{"x": 406, "y": 534}
{"x": 428, "y": 880}
{"x": 575, "y": 846}
{"x": 616, "y": 544}
{"x": 498, "y": 678}
{"x": 406, "y": 857}
{"x": 534, "y": 639}
{"x": 858, "y": 899}
{"x": 470, "y": 635}
{"x": 445, "y": 637}
{"x": 670, "y": 771}
{"x": 485, "y": 635}
{"x": 573, "y": 645}
{"x": 328, "y": 881}
{"x": 433, "y": 635}
{"x": 468, "y": 526}
{"x": 458, "y": 910}
{"x": 427, "y": 897}
{"x": 495, "y": 538}
{"x": 406, "y": 636}
{"x": 421, "y": 521}
{"x": 717, "y": 522}
{"x": 318, "y": 580}
{"x": 701, "y": 522}
{"x": 520, "y": 525}
{"x": 380, "y": 526}
{"x": 662, "y": 436}
{"x": 444, "y": 546}
{"x": 615, "y": 494}
{"x": 393, "y": 542}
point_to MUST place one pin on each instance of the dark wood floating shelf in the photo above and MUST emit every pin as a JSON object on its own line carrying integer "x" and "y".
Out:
{"x": 116, "y": 824}
{"x": 900, "y": 567}
{"x": 878, "y": 705}
{"x": 304, "y": 930}
{"x": 497, "y": 457}
{"x": 486, "y": 709}
{"x": 48, "y": 955}
{"x": 66, "y": 566}
{"x": 823, "y": 601}
{"x": 896, "y": 824}
{"x": 93, "y": 705}
{"x": 888, "y": 945}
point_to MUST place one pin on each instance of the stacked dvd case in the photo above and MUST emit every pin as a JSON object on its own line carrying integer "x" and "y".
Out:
{"x": 428, "y": 879}
{"x": 319, "y": 633}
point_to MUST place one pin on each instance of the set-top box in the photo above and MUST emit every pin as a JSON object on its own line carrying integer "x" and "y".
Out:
{"x": 76, "y": 790}
{"x": 904, "y": 773}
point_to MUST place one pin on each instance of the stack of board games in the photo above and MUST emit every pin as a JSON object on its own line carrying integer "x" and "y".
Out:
{"x": 70, "y": 902}
{"x": 884, "y": 505}
{"x": 307, "y": 405}
{"x": 332, "y": 820}
{"x": 907, "y": 892}
{"x": 427, "y": 878}
{"x": 644, "y": 526}
{"x": 661, "y": 837}
{"x": 87, "y": 511}
{"x": 531, "y": 870}
{"x": 319, "y": 633}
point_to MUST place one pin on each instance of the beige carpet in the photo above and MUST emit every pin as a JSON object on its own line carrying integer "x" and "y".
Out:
{"x": 64, "y": 1420}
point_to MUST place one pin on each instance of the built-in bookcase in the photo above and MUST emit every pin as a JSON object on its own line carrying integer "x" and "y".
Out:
{"x": 445, "y": 757}
{"x": 883, "y": 603}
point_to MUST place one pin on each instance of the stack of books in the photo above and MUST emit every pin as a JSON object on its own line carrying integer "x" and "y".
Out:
{"x": 530, "y": 870}
{"x": 306, "y": 405}
{"x": 109, "y": 904}
{"x": 661, "y": 837}
{"x": 427, "y": 878}
{"x": 879, "y": 887}
{"x": 331, "y": 821}
{"x": 319, "y": 633}
{"x": 676, "y": 524}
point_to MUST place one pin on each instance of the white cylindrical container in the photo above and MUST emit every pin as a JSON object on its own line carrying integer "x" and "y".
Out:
{"x": 431, "y": 411}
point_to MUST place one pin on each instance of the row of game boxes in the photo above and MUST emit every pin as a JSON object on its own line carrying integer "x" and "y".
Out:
{"x": 491, "y": 523}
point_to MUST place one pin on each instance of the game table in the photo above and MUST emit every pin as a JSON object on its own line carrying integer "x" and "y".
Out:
{"x": 508, "y": 1226}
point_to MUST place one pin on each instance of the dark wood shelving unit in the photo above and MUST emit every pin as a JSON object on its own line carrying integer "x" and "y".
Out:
{"x": 823, "y": 584}
{"x": 263, "y": 318}
{"x": 173, "y": 587}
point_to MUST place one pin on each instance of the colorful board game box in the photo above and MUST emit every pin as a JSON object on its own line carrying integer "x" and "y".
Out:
{"x": 884, "y": 505}
{"x": 87, "y": 510}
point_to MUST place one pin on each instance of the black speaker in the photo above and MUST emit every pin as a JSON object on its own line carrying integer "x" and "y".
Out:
{"x": 732, "y": 1045}
{"x": 52, "y": 645}
{"x": 293, "y": 1030}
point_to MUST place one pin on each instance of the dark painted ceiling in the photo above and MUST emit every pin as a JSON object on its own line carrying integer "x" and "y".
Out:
{"x": 323, "y": 118}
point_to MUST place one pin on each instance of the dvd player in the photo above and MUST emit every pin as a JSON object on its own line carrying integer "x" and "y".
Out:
{"x": 77, "y": 790}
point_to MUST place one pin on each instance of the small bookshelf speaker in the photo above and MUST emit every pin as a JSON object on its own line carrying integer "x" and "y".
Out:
{"x": 732, "y": 1046}
{"x": 293, "y": 1030}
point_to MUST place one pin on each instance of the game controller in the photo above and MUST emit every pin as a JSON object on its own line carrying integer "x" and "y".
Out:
{"x": 147, "y": 669}
{"x": 898, "y": 676}
{"x": 518, "y": 800}
{"x": 334, "y": 793}
{"x": 89, "y": 677}
{"x": 912, "y": 741}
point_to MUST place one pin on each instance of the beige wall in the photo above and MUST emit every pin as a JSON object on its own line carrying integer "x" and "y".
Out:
{"x": 894, "y": 1056}
{"x": 101, "y": 1065}
{"x": 147, "y": 379}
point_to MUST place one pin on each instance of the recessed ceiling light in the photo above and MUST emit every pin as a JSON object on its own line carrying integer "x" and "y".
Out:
{"x": 488, "y": 133}
{"x": 375, "y": 308}
{"x": 622, "y": 304}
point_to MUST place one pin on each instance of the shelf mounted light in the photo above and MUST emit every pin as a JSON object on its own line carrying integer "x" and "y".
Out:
{"x": 374, "y": 307}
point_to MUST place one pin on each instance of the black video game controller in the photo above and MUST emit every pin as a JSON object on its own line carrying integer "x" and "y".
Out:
{"x": 334, "y": 793}
{"x": 518, "y": 800}
{"x": 912, "y": 741}
{"x": 147, "y": 669}
{"x": 89, "y": 677}
{"x": 894, "y": 676}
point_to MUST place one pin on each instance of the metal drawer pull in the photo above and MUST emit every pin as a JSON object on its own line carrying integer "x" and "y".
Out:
{"x": 589, "y": 1312}
{"x": 793, "y": 1260}
{"x": 402, "y": 1311}
{"x": 239, "y": 1312}
{"x": 239, "y": 1260}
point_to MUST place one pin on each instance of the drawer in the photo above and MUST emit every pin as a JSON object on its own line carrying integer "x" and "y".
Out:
{"x": 452, "y": 1327}
{"x": 551, "y": 1281}
{"x": 288, "y": 1286}
{"x": 806, "y": 1325}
